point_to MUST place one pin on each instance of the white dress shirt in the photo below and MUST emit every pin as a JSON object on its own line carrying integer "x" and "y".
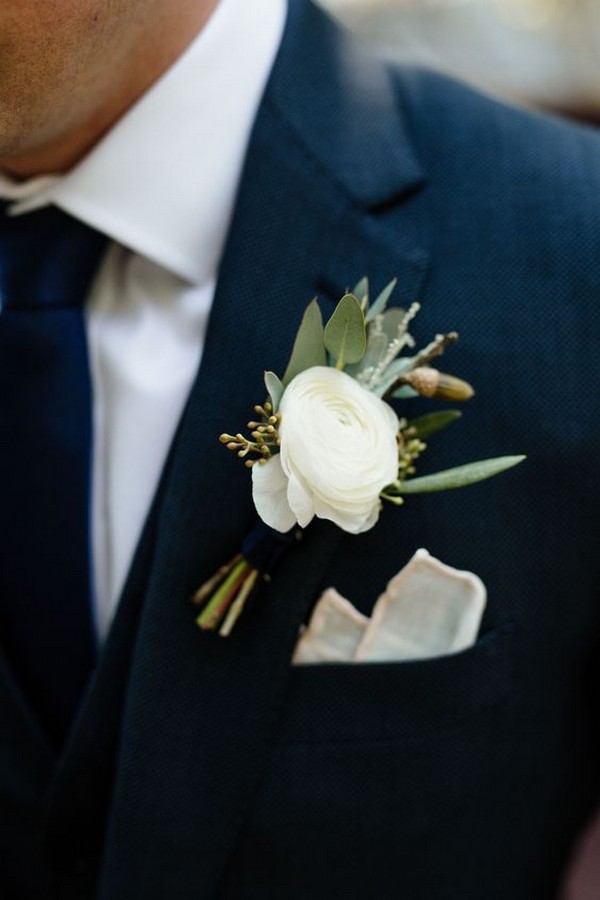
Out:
{"x": 161, "y": 185}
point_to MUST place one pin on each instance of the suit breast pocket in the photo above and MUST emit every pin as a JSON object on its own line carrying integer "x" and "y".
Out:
{"x": 393, "y": 701}
{"x": 383, "y": 778}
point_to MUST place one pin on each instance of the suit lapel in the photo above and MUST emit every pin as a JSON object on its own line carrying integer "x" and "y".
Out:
{"x": 200, "y": 710}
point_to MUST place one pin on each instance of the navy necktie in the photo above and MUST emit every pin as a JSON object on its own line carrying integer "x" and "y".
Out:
{"x": 47, "y": 260}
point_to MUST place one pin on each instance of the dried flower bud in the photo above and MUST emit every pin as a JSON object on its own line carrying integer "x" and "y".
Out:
{"x": 430, "y": 383}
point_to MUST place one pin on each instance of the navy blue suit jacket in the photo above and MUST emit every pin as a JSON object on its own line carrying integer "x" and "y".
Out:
{"x": 209, "y": 768}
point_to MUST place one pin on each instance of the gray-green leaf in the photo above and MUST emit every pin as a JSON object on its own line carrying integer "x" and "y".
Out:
{"x": 274, "y": 388}
{"x": 377, "y": 344}
{"x": 459, "y": 477}
{"x": 392, "y": 373}
{"x": 309, "y": 349}
{"x": 361, "y": 292}
{"x": 404, "y": 393}
{"x": 391, "y": 322}
{"x": 425, "y": 426}
{"x": 345, "y": 333}
{"x": 381, "y": 302}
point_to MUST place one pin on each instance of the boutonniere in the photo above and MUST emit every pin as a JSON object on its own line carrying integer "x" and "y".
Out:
{"x": 331, "y": 439}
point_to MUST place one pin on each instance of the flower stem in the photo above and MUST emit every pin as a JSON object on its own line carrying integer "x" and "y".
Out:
{"x": 210, "y": 617}
{"x": 203, "y": 593}
{"x": 237, "y": 607}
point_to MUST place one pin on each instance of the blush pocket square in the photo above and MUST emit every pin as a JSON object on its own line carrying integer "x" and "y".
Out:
{"x": 427, "y": 610}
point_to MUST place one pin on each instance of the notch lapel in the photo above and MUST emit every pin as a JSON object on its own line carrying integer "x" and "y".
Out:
{"x": 200, "y": 710}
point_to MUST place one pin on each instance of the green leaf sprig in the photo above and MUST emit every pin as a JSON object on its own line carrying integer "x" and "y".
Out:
{"x": 371, "y": 342}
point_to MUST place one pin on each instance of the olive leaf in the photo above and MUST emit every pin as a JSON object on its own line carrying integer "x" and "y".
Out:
{"x": 393, "y": 372}
{"x": 405, "y": 392}
{"x": 361, "y": 292}
{"x": 274, "y": 388}
{"x": 392, "y": 322}
{"x": 461, "y": 476}
{"x": 345, "y": 333}
{"x": 424, "y": 426}
{"x": 308, "y": 349}
{"x": 377, "y": 344}
{"x": 381, "y": 302}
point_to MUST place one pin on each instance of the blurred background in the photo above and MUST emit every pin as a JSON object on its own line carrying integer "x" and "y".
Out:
{"x": 542, "y": 53}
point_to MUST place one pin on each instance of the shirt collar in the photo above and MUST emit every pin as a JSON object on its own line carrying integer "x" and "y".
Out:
{"x": 163, "y": 180}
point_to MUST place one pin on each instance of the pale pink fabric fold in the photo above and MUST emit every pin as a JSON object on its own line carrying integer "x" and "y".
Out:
{"x": 428, "y": 609}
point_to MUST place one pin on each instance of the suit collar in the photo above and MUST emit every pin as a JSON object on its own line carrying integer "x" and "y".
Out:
{"x": 341, "y": 104}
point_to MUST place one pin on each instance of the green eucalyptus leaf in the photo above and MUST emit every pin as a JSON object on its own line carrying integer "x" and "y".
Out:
{"x": 425, "y": 426}
{"x": 381, "y": 302}
{"x": 308, "y": 349}
{"x": 377, "y": 344}
{"x": 459, "y": 477}
{"x": 361, "y": 292}
{"x": 274, "y": 388}
{"x": 345, "y": 333}
{"x": 404, "y": 393}
{"x": 392, "y": 373}
{"x": 391, "y": 320}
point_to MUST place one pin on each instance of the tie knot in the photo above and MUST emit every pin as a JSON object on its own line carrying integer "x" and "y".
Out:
{"x": 47, "y": 259}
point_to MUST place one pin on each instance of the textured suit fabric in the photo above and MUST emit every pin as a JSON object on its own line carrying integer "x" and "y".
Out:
{"x": 227, "y": 773}
{"x": 47, "y": 260}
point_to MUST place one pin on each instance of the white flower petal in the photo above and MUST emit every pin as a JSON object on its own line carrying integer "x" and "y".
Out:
{"x": 338, "y": 448}
{"x": 300, "y": 501}
{"x": 269, "y": 492}
{"x": 371, "y": 519}
{"x": 354, "y": 521}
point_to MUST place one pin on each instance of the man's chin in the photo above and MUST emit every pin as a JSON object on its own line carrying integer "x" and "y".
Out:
{"x": 15, "y": 137}
{"x": 11, "y": 150}
{"x": 20, "y": 156}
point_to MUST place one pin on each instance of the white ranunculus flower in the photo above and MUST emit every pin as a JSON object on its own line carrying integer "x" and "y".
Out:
{"x": 338, "y": 451}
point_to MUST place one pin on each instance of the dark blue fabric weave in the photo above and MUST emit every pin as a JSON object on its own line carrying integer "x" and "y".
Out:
{"x": 46, "y": 262}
